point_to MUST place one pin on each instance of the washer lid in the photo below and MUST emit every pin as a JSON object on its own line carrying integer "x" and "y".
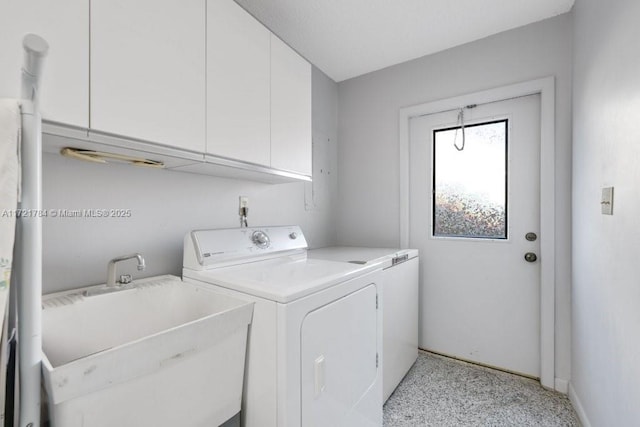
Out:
{"x": 283, "y": 279}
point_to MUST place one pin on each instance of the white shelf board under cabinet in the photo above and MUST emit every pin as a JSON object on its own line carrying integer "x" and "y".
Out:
{"x": 291, "y": 145}
{"x": 56, "y": 137}
{"x": 64, "y": 24}
{"x": 229, "y": 168}
{"x": 237, "y": 84}
{"x": 148, "y": 70}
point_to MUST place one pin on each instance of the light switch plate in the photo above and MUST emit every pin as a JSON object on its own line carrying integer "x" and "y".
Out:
{"x": 607, "y": 201}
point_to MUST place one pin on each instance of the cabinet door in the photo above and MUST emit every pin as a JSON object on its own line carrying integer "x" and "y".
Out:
{"x": 290, "y": 109}
{"x": 64, "y": 24}
{"x": 148, "y": 70}
{"x": 237, "y": 84}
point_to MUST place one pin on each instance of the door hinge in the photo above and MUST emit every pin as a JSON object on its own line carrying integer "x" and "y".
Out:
{"x": 376, "y": 360}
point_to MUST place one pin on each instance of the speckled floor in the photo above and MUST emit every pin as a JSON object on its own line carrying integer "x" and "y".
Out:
{"x": 443, "y": 392}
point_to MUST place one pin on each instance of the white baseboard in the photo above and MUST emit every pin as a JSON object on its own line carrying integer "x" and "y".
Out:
{"x": 562, "y": 386}
{"x": 577, "y": 405}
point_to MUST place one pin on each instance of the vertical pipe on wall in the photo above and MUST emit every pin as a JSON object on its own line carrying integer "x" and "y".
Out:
{"x": 29, "y": 233}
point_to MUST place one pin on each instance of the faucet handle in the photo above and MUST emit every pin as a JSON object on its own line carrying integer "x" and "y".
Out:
{"x": 125, "y": 279}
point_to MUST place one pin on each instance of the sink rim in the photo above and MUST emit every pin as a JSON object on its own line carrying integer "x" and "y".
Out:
{"x": 74, "y": 296}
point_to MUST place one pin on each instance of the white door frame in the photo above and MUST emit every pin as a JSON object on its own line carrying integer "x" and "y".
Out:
{"x": 546, "y": 88}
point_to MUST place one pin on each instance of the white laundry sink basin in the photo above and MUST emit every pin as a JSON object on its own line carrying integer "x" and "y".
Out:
{"x": 157, "y": 354}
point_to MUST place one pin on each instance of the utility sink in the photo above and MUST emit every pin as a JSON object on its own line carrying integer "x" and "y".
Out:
{"x": 159, "y": 353}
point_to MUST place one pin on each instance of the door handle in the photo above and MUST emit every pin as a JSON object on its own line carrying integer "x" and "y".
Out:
{"x": 530, "y": 257}
{"x": 319, "y": 376}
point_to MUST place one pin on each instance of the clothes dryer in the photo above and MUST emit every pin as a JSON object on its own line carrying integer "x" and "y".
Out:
{"x": 399, "y": 304}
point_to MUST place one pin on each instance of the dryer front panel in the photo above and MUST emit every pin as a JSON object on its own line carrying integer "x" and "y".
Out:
{"x": 339, "y": 361}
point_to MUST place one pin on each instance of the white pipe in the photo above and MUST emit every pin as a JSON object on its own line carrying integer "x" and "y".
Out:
{"x": 35, "y": 50}
{"x": 29, "y": 254}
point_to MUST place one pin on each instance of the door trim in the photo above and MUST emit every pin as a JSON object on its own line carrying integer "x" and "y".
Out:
{"x": 546, "y": 88}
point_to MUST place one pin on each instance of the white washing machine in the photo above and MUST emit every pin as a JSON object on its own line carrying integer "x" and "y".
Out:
{"x": 315, "y": 341}
{"x": 399, "y": 304}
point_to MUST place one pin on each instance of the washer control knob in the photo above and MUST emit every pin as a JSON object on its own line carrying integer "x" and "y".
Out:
{"x": 260, "y": 239}
{"x": 293, "y": 235}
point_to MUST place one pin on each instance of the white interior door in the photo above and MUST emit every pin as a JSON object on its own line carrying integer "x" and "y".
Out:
{"x": 472, "y": 212}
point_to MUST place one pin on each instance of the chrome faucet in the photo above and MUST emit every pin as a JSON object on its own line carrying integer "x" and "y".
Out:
{"x": 111, "y": 268}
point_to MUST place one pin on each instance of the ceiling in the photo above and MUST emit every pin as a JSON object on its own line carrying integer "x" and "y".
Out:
{"x": 348, "y": 38}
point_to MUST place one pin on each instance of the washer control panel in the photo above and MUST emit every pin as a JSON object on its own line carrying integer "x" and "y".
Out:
{"x": 209, "y": 248}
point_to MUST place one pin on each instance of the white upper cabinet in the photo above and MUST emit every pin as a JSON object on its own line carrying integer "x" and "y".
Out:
{"x": 238, "y": 89}
{"x": 64, "y": 24}
{"x": 148, "y": 70}
{"x": 258, "y": 93}
{"x": 290, "y": 109}
{"x": 193, "y": 77}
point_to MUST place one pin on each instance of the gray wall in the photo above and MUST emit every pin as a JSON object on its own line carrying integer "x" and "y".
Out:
{"x": 606, "y": 264}
{"x": 368, "y": 202}
{"x": 165, "y": 205}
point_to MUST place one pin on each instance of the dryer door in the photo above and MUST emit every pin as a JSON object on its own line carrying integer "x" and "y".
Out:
{"x": 339, "y": 343}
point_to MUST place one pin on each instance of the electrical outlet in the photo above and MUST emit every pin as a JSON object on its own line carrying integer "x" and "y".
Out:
{"x": 244, "y": 202}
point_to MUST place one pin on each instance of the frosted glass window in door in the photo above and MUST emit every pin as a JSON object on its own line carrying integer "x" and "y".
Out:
{"x": 470, "y": 184}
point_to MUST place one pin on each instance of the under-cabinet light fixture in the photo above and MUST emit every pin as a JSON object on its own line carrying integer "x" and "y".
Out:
{"x": 103, "y": 157}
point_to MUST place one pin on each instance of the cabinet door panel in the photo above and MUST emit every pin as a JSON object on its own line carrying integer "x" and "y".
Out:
{"x": 237, "y": 84}
{"x": 148, "y": 70}
{"x": 64, "y": 24}
{"x": 290, "y": 109}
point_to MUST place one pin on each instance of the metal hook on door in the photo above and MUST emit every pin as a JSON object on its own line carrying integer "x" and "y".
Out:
{"x": 455, "y": 136}
{"x": 461, "y": 123}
